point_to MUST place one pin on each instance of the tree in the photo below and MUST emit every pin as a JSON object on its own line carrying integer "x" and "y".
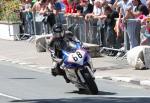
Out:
{"x": 9, "y": 10}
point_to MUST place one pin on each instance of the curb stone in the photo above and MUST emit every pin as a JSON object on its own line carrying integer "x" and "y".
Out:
{"x": 145, "y": 82}
{"x": 135, "y": 81}
{"x": 126, "y": 79}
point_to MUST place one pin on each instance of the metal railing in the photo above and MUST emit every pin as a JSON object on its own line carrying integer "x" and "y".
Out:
{"x": 39, "y": 25}
{"x": 85, "y": 30}
{"x": 89, "y": 31}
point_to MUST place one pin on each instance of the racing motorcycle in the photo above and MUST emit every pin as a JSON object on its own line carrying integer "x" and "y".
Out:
{"x": 78, "y": 67}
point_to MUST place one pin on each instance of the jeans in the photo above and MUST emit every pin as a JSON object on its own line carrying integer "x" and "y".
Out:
{"x": 133, "y": 31}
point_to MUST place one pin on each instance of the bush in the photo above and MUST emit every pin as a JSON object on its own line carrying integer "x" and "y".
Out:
{"x": 9, "y": 10}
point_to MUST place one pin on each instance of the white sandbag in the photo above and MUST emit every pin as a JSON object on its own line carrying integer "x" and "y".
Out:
{"x": 135, "y": 57}
{"x": 146, "y": 53}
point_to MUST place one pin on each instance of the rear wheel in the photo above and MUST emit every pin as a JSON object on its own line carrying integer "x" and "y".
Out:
{"x": 90, "y": 83}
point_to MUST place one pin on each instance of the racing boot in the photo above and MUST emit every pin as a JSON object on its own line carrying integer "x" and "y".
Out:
{"x": 56, "y": 71}
{"x": 63, "y": 73}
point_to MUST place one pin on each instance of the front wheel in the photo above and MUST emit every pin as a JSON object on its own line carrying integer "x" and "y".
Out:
{"x": 90, "y": 83}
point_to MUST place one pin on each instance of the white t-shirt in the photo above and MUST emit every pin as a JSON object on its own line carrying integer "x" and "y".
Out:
{"x": 27, "y": 6}
{"x": 125, "y": 6}
{"x": 97, "y": 11}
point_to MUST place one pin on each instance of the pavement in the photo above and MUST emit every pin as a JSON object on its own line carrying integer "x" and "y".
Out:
{"x": 24, "y": 53}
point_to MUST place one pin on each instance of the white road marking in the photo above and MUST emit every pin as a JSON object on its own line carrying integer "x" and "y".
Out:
{"x": 125, "y": 96}
{"x": 8, "y": 96}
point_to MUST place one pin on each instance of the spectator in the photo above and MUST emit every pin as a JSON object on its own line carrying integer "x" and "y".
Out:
{"x": 34, "y": 1}
{"x": 125, "y": 6}
{"x": 144, "y": 2}
{"x": 132, "y": 26}
{"x": 27, "y": 18}
{"x": 145, "y": 31}
{"x": 51, "y": 18}
{"x": 121, "y": 8}
{"x": 112, "y": 1}
{"x": 87, "y": 7}
{"x": 70, "y": 6}
{"x": 39, "y": 9}
{"x": 57, "y": 7}
{"x": 57, "y": 11}
{"x": 148, "y": 5}
{"x": 97, "y": 10}
{"x": 79, "y": 9}
{"x": 140, "y": 9}
{"x": 84, "y": 7}
{"x": 101, "y": 30}
{"x": 110, "y": 24}
{"x": 96, "y": 14}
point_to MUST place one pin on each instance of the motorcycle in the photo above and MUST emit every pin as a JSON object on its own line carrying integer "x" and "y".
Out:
{"x": 78, "y": 68}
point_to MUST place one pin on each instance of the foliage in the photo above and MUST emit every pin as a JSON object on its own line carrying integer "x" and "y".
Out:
{"x": 0, "y": 9}
{"x": 9, "y": 10}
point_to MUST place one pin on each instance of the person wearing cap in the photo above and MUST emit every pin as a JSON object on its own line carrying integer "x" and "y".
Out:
{"x": 97, "y": 10}
{"x": 109, "y": 25}
{"x": 87, "y": 7}
{"x": 83, "y": 8}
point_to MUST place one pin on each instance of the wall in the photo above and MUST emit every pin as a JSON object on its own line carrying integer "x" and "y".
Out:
{"x": 9, "y": 31}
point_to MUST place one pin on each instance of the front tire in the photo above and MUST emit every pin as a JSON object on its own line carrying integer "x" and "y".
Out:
{"x": 90, "y": 83}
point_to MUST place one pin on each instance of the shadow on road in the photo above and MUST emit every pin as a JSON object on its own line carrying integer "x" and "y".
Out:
{"x": 21, "y": 78}
{"x": 100, "y": 98}
{"x": 99, "y": 93}
{"x": 87, "y": 100}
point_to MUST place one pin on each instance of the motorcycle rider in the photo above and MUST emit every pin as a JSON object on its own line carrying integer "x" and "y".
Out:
{"x": 59, "y": 41}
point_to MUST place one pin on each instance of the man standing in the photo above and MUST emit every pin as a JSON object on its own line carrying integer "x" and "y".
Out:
{"x": 132, "y": 25}
{"x": 140, "y": 8}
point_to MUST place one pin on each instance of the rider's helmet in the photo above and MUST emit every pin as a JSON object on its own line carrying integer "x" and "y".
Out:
{"x": 58, "y": 30}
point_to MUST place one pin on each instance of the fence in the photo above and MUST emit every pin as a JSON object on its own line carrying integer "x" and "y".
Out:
{"x": 85, "y": 30}
{"x": 89, "y": 31}
{"x": 36, "y": 24}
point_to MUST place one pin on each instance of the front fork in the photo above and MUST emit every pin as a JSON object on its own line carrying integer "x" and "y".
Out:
{"x": 85, "y": 69}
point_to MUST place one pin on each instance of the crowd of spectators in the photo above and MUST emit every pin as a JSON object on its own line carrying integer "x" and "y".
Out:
{"x": 113, "y": 16}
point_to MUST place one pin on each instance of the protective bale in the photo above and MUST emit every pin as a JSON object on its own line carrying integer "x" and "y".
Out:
{"x": 138, "y": 57}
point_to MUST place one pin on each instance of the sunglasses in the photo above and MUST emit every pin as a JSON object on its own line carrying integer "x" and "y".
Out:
{"x": 148, "y": 22}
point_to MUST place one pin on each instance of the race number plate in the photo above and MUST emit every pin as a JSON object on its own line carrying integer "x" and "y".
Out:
{"x": 77, "y": 57}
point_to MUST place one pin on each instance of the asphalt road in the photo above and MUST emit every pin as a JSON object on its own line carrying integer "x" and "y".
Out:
{"x": 19, "y": 84}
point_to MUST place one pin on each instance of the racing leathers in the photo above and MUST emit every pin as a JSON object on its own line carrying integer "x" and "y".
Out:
{"x": 56, "y": 46}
